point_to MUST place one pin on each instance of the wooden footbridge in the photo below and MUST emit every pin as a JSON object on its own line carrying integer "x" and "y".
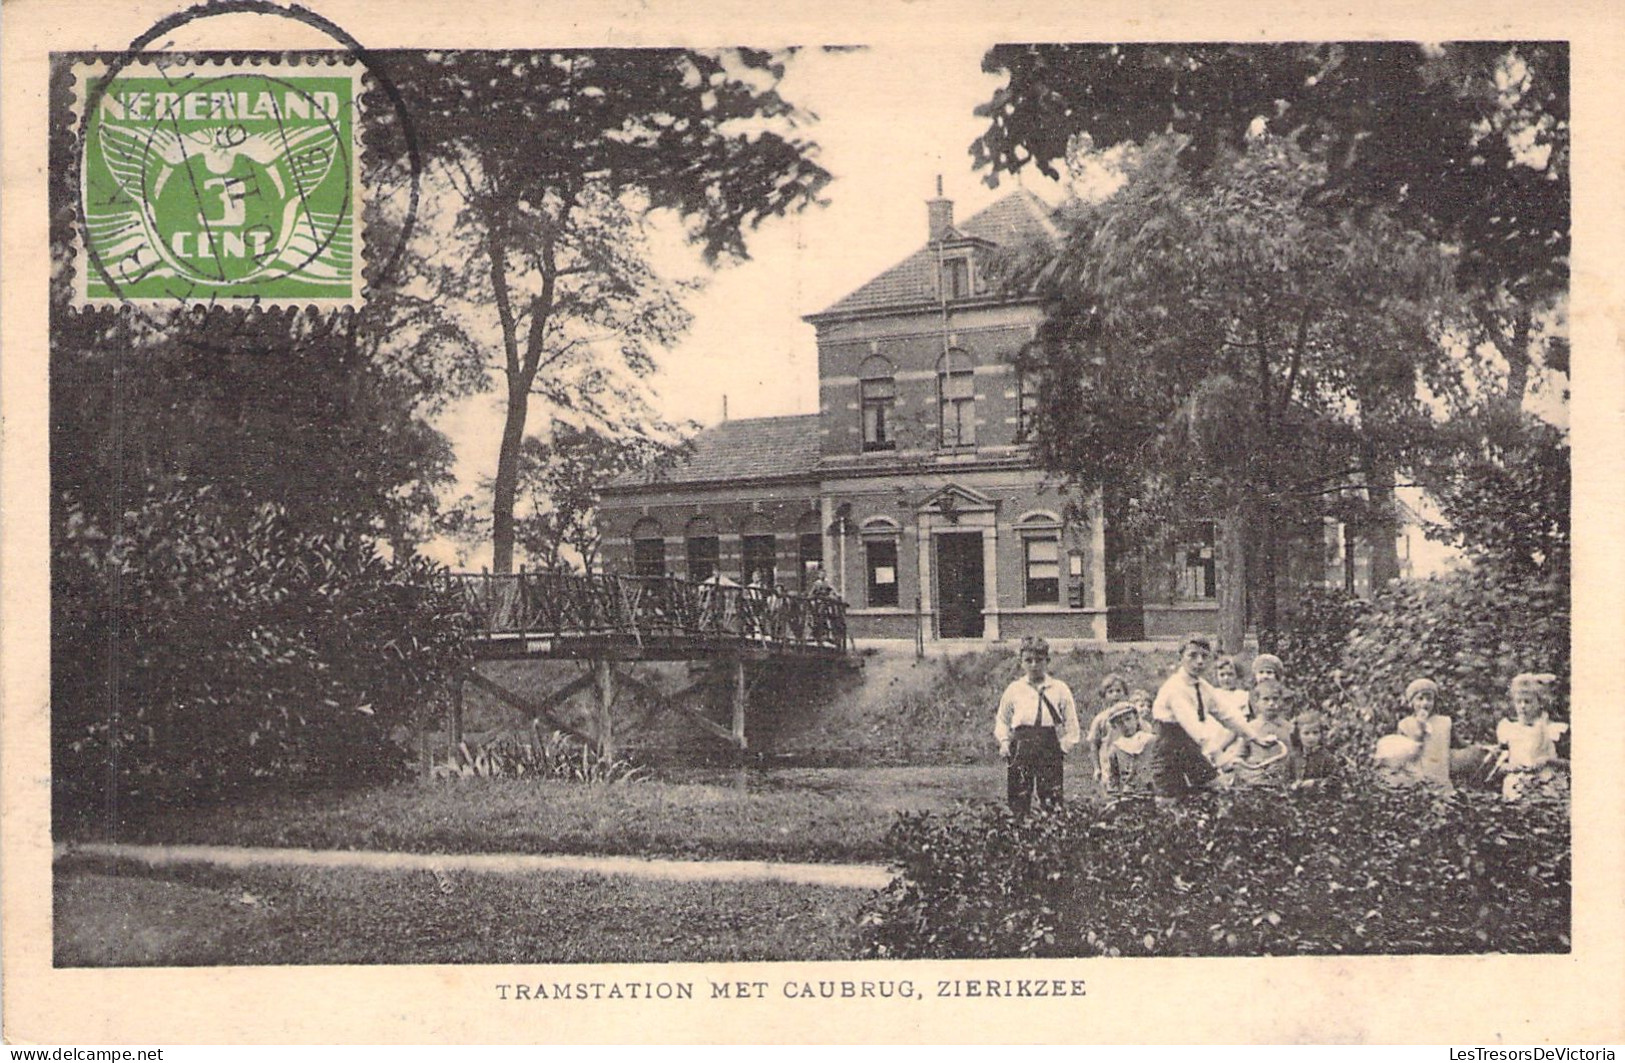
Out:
{"x": 606, "y": 620}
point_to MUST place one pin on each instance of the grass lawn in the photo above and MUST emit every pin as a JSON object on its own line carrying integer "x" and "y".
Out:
{"x": 802, "y": 814}
{"x": 110, "y": 913}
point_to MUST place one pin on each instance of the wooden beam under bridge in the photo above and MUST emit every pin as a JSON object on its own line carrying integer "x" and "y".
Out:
{"x": 607, "y": 680}
{"x": 679, "y": 701}
{"x": 539, "y": 710}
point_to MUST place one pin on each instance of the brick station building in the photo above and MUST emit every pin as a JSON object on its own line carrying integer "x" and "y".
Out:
{"x": 913, "y": 485}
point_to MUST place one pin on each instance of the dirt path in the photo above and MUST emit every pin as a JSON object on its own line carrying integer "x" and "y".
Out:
{"x": 848, "y": 876}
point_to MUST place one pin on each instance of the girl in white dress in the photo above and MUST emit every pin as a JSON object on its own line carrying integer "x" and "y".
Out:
{"x": 1529, "y": 760}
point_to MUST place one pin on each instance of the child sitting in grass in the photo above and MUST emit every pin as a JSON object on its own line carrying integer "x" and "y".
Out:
{"x": 1268, "y": 666}
{"x": 1418, "y": 752}
{"x": 1128, "y": 761}
{"x": 1227, "y": 686}
{"x": 1270, "y": 700}
{"x": 1529, "y": 759}
{"x": 1312, "y": 763}
{"x": 1141, "y": 699}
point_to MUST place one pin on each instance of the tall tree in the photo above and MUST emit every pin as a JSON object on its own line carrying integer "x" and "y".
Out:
{"x": 1467, "y": 142}
{"x": 555, "y": 161}
{"x": 1218, "y": 344}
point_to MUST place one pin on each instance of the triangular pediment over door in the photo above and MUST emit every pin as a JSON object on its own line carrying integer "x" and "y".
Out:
{"x": 952, "y": 500}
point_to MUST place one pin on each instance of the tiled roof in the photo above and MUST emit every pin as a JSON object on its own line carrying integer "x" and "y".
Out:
{"x": 1011, "y": 221}
{"x": 752, "y": 448}
{"x": 1017, "y": 218}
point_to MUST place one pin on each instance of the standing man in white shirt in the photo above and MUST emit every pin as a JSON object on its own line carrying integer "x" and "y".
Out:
{"x": 1184, "y": 712}
{"x": 1036, "y": 726}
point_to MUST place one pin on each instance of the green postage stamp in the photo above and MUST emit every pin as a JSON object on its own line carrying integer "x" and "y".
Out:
{"x": 219, "y": 184}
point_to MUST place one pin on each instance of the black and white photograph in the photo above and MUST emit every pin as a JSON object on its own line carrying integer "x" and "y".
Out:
{"x": 892, "y": 529}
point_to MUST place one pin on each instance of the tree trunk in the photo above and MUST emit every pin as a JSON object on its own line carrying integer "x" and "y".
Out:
{"x": 1383, "y": 527}
{"x": 506, "y": 486}
{"x": 1231, "y": 552}
{"x": 1267, "y": 598}
{"x": 1518, "y": 360}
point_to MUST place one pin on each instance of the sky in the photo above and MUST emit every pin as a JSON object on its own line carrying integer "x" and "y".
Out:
{"x": 890, "y": 120}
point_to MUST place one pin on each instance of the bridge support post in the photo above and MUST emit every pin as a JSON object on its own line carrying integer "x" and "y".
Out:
{"x": 740, "y": 697}
{"x": 604, "y": 682}
{"x": 420, "y": 734}
{"x": 456, "y": 729}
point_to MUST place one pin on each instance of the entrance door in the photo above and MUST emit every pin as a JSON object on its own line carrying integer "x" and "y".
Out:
{"x": 959, "y": 585}
{"x": 1125, "y": 602}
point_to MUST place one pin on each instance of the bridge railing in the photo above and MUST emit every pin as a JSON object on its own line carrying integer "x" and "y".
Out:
{"x": 559, "y": 604}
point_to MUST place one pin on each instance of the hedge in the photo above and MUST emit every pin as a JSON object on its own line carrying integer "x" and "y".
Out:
{"x": 1469, "y": 631}
{"x": 204, "y": 646}
{"x": 1343, "y": 871}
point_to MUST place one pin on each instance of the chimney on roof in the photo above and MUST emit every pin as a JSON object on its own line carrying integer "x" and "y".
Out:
{"x": 939, "y": 214}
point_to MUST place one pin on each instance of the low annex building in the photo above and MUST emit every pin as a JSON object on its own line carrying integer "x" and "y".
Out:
{"x": 914, "y": 485}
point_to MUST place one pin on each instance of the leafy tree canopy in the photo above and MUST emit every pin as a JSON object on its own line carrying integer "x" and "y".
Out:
{"x": 543, "y": 171}
{"x": 564, "y": 479}
{"x": 1218, "y": 344}
{"x": 1215, "y": 327}
{"x": 1468, "y": 141}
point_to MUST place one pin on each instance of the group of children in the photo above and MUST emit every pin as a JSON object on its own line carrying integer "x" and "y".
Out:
{"x": 1423, "y": 751}
{"x": 1274, "y": 746}
{"x": 1124, "y": 733}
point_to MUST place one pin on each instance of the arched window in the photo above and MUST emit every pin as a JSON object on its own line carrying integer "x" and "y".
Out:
{"x": 877, "y": 398}
{"x": 956, "y": 394}
{"x": 648, "y": 548}
{"x": 700, "y": 538}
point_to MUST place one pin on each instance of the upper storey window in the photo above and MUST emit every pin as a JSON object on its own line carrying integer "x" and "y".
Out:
{"x": 956, "y": 277}
{"x": 877, "y": 396}
{"x": 1026, "y": 406}
{"x": 956, "y": 391}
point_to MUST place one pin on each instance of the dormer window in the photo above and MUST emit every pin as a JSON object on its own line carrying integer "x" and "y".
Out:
{"x": 956, "y": 277}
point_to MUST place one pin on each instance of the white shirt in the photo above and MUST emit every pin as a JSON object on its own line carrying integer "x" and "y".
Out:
{"x": 1177, "y": 703}
{"x": 1019, "y": 707}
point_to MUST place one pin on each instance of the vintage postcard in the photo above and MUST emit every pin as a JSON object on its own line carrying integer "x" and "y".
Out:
{"x": 906, "y": 522}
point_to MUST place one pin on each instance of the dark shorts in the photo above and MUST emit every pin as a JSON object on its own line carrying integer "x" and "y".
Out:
{"x": 1177, "y": 763}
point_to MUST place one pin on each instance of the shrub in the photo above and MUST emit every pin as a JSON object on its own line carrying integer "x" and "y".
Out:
{"x": 1469, "y": 631}
{"x": 554, "y": 755}
{"x": 203, "y": 646}
{"x": 1253, "y": 873}
{"x": 1315, "y": 632}
{"x": 1505, "y": 489}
